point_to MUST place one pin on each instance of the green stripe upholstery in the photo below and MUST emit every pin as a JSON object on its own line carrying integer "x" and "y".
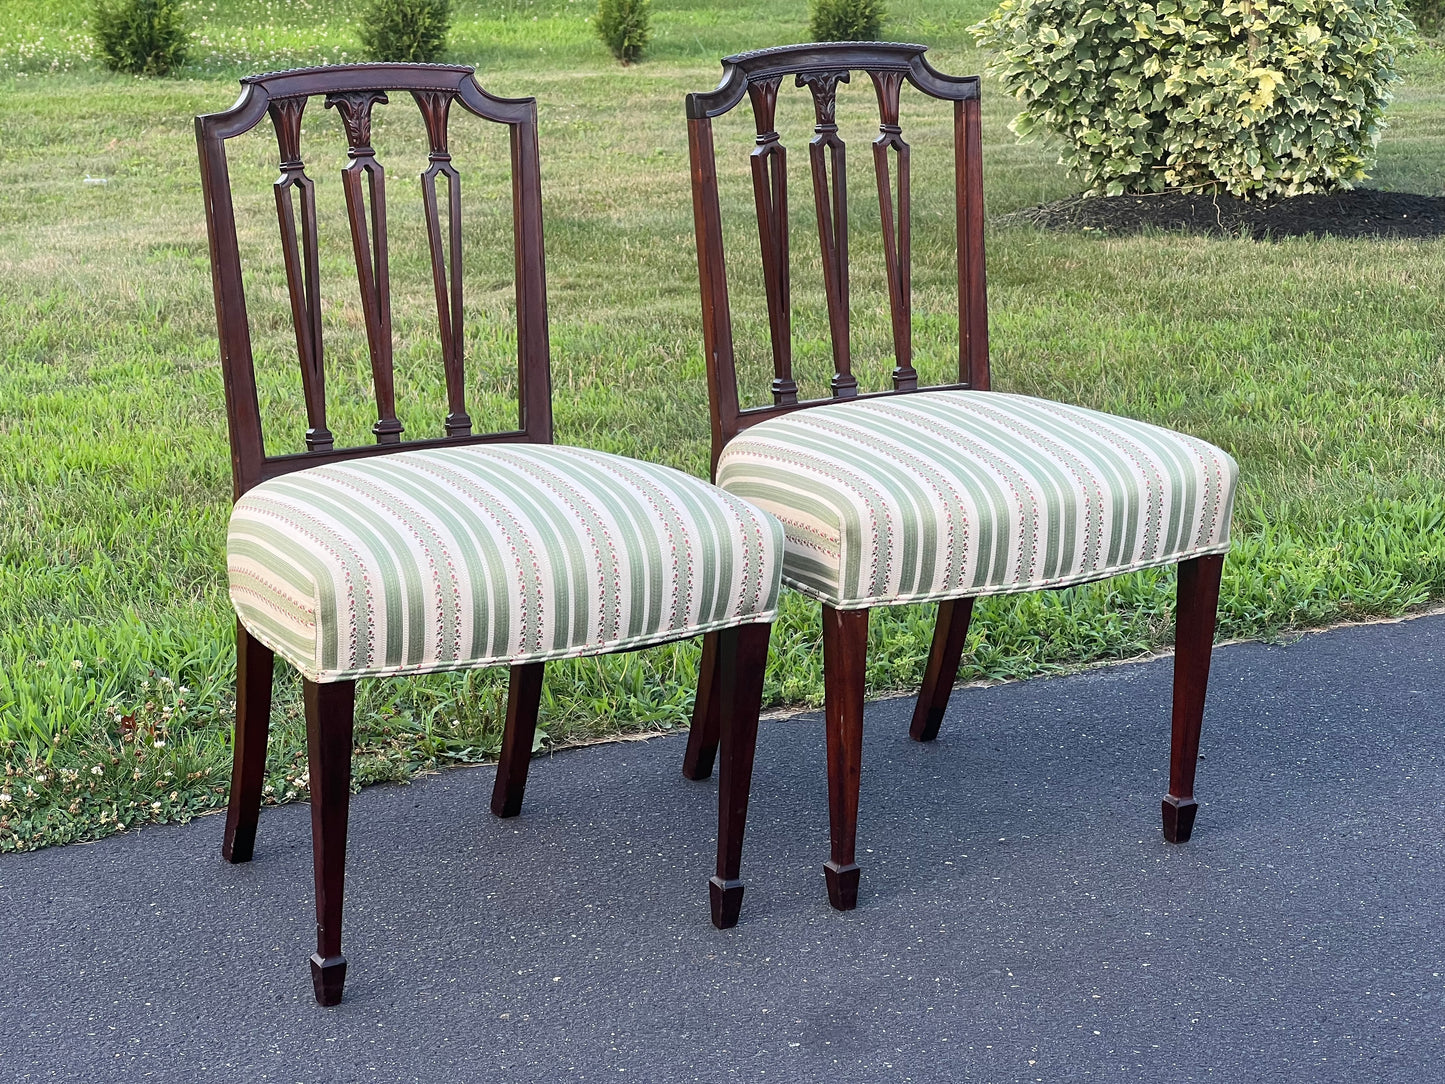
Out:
{"x": 939, "y": 495}
{"x": 487, "y": 555}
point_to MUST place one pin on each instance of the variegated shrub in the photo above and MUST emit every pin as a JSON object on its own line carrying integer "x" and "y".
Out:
{"x": 1260, "y": 98}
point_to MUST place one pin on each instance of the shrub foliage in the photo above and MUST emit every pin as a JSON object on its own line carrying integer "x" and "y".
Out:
{"x": 846, "y": 20}
{"x": 626, "y": 26}
{"x": 1427, "y": 15}
{"x": 409, "y": 31}
{"x": 141, "y": 37}
{"x": 1259, "y": 97}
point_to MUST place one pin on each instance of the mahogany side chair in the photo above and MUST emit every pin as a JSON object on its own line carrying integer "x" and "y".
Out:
{"x": 460, "y": 549}
{"x": 937, "y": 494}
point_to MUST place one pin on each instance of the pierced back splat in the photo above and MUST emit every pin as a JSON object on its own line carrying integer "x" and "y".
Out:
{"x": 897, "y": 225}
{"x": 822, "y": 68}
{"x": 769, "y": 162}
{"x": 446, "y": 255}
{"x": 303, "y": 275}
{"x": 828, "y": 155}
{"x": 364, "y": 181}
{"x": 354, "y": 90}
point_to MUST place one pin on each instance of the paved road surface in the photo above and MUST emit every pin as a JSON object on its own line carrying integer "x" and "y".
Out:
{"x": 1020, "y": 917}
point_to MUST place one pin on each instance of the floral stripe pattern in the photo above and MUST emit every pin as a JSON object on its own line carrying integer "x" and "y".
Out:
{"x": 448, "y": 559}
{"x": 907, "y": 498}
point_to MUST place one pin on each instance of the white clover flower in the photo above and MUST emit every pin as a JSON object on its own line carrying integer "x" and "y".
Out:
{"x": 156, "y": 806}
{"x": 159, "y": 744}
{"x": 5, "y": 798}
{"x": 97, "y": 770}
{"x": 76, "y": 664}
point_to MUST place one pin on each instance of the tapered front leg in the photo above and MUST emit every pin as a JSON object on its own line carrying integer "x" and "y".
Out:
{"x": 329, "y": 718}
{"x": 949, "y": 634}
{"x": 254, "y": 666}
{"x": 845, "y": 650}
{"x": 1193, "y": 642}
{"x": 702, "y": 736}
{"x": 742, "y": 657}
{"x": 524, "y": 698}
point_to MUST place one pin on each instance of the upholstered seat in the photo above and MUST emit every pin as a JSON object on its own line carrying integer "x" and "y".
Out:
{"x": 486, "y": 555}
{"x": 951, "y": 494}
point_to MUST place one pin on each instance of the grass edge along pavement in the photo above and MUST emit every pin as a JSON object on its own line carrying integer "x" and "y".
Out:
{"x": 1316, "y": 363}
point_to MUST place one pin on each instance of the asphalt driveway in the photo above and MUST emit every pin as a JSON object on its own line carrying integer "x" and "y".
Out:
{"x": 1020, "y": 917}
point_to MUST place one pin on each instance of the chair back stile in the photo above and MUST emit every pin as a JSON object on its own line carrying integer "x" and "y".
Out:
{"x": 354, "y": 91}
{"x": 821, "y": 68}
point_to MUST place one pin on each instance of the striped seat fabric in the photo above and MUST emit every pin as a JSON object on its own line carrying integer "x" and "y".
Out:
{"x": 445, "y": 559}
{"x": 937, "y": 495}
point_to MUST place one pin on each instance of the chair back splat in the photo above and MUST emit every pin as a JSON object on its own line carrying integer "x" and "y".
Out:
{"x": 354, "y": 91}
{"x": 759, "y": 76}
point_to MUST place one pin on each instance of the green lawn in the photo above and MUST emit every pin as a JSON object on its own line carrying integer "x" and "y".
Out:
{"x": 1316, "y": 363}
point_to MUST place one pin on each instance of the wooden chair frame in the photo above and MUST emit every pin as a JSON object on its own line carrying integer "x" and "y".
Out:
{"x": 354, "y": 91}
{"x": 821, "y": 68}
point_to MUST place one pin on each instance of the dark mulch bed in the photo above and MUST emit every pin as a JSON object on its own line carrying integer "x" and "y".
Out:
{"x": 1361, "y": 212}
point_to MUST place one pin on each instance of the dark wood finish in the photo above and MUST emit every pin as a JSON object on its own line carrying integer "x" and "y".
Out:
{"x": 524, "y": 696}
{"x": 949, "y": 634}
{"x": 821, "y": 68}
{"x": 1193, "y": 644}
{"x": 897, "y": 225}
{"x": 446, "y": 255}
{"x": 845, "y": 649}
{"x": 742, "y": 657}
{"x": 972, "y": 289}
{"x": 828, "y": 154}
{"x": 703, "y": 734}
{"x": 254, "y": 666}
{"x": 329, "y": 717}
{"x": 769, "y": 162}
{"x": 717, "y": 327}
{"x": 302, "y": 256}
{"x": 355, "y": 91}
{"x": 364, "y": 181}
